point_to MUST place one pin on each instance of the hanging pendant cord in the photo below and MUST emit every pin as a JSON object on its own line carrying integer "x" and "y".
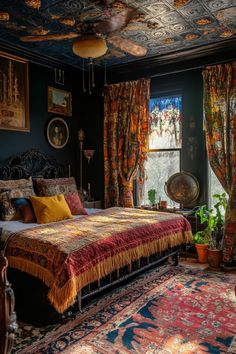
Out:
{"x": 92, "y": 65}
{"x": 84, "y": 89}
{"x": 89, "y": 78}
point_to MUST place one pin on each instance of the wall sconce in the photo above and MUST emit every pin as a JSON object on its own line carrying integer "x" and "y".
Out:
{"x": 81, "y": 141}
{"x": 88, "y": 154}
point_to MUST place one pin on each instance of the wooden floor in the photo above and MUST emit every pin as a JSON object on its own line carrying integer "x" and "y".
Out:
{"x": 192, "y": 260}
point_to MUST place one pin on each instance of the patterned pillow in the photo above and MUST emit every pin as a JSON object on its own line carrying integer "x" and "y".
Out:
{"x": 54, "y": 186}
{"x": 75, "y": 204}
{"x": 24, "y": 206}
{"x": 7, "y": 196}
{"x": 16, "y": 183}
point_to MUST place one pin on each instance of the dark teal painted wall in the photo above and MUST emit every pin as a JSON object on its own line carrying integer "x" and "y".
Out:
{"x": 91, "y": 121}
{"x": 87, "y": 114}
{"x": 12, "y": 142}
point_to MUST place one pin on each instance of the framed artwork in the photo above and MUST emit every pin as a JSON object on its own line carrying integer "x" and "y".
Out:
{"x": 14, "y": 93}
{"x": 57, "y": 133}
{"x": 59, "y": 101}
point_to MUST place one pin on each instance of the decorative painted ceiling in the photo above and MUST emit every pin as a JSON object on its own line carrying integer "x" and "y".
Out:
{"x": 159, "y": 26}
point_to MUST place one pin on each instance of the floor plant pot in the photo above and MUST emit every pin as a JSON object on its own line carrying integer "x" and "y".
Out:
{"x": 202, "y": 252}
{"x": 214, "y": 258}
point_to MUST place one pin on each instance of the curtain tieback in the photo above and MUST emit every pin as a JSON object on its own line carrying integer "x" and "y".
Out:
{"x": 127, "y": 184}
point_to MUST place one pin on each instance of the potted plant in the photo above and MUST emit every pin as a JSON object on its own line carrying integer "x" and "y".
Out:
{"x": 201, "y": 238}
{"x": 216, "y": 236}
{"x": 208, "y": 241}
{"x": 152, "y": 196}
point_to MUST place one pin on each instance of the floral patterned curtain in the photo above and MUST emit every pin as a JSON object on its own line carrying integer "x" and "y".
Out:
{"x": 220, "y": 120}
{"x": 126, "y": 110}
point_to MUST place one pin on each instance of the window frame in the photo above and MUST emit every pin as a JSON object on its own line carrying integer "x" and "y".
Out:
{"x": 180, "y": 149}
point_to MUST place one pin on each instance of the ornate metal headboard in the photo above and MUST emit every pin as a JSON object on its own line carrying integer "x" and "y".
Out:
{"x": 31, "y": 163}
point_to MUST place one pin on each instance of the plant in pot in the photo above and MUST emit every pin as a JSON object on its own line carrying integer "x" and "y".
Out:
{"x": 216, "y": 236}
{"x": 208, "y": 241}
{"x": 152, "y": 196}
{"x": 201, "y": 238}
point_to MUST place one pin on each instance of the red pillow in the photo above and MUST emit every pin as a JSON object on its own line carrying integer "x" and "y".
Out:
{"x": 75, "y": 204}
{"x": 27, "y": 214}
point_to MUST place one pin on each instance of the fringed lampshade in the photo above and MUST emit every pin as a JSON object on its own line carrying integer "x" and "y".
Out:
{"x": 89, "y": 154}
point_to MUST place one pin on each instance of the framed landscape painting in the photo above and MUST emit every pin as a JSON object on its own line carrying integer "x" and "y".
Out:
{"x": 59, "y": 101}
{"x": 14, "y": 93}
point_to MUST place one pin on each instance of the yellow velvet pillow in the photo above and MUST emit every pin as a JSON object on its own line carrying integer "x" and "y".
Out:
{"x": 50, "y": 209}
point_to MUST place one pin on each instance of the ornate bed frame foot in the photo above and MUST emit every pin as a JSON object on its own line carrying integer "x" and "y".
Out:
{"x": 175, "y": 259}
{"x": 8, "y": 325}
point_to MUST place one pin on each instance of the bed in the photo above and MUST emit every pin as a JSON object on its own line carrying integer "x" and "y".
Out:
{"x": 55, "y": 267}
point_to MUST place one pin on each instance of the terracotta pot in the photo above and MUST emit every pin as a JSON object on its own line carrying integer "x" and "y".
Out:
{"x": 202, "y": 252}
{"x": 214, "y": 258}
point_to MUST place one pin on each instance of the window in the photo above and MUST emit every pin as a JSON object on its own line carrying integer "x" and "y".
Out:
{"x": 214, "y": 186}
{"x": 165, "y": 142}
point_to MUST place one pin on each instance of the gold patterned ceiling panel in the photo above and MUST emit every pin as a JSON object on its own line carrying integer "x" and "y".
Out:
{"x": 49, "y": 27}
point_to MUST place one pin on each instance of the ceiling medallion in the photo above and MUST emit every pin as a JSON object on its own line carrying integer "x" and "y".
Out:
{"x": 39, "y": 31}
{"x": 55, "y": 17}
{"x": 169, "y": 40}
{"x": 4, "y": 16}
{"x": 203, "y": 21}
{"x": 118, "y": 5}
{"x": 180, "y": 3}
{"x": 68, "y": 21}
{"x": 191, "y": 36}
{"x": 35, "y": 4}
{"x": 227, "y": 34}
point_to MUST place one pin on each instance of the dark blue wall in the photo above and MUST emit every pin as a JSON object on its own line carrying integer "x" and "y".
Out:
{"x": 12, "y": 142}
{"x": 87, "y": 113}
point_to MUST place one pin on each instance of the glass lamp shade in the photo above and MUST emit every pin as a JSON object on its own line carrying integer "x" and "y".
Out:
{"x": 90, "y": 47}
{"x": 89, "y": 154}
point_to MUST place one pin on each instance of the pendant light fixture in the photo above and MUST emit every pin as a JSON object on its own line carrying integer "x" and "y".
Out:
{"x": 89, "y": 48}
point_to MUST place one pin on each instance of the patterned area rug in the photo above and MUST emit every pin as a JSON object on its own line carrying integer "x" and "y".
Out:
{"x": 170, "y": 310}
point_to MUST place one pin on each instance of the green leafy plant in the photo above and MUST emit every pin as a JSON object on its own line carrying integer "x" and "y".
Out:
{"x": 152, "y": 196}
{"x": 212, "y": 221}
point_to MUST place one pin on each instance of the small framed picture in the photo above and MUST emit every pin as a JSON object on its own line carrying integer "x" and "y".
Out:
{"x": 59, "y": 101}
{"x": 57, "y": 133}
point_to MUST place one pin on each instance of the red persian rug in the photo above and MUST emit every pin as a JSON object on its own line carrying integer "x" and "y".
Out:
{"x": 172, "y": 310}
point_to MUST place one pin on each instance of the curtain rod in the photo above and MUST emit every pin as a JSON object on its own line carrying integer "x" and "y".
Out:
{"x": 204, "y": 67}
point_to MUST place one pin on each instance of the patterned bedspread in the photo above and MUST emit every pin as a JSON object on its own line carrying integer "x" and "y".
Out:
{"x": 70, "y": 254}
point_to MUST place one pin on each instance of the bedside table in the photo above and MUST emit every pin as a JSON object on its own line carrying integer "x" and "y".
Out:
{"x": 97, "y": 204}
